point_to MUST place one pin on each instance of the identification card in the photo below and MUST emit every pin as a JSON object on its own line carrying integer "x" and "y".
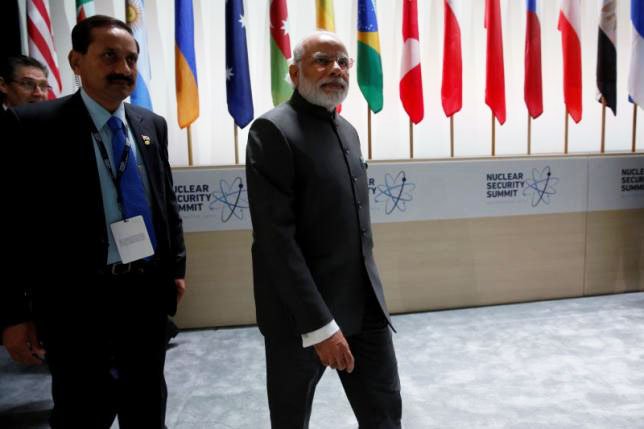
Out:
{"x": 132, "y": 239}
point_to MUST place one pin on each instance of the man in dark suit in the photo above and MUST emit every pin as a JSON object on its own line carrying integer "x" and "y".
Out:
{"x": 318, "y": 295}
{"x": 98, "y": 247}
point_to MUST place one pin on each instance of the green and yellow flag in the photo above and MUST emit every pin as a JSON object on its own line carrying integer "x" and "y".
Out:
{"x": 369, "y": 61}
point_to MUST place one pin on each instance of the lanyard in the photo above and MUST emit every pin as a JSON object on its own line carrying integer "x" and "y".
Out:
{"x": 116, "y": 179}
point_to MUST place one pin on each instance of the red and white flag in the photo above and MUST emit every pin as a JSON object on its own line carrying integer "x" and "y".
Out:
{"x": 570, "y": 27}
{"x": 452, "y": 86}
{"x": 41, "y": 42}
{"x": 494, "y": 75}
{"x": 411, "y": 80}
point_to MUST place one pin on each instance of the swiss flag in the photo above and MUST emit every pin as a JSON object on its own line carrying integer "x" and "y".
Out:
{"x": 411, "y": 80}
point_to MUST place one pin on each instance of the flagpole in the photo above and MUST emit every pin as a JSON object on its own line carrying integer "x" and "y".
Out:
{"x": 634, "y": 126}
{"x": 189, "y": 145}
{"x": 529, "y": 134}
{"x": 603, "y": 137}
{"x": 369, "y": 130}
{"x": 493, "y": 136}
{"x": 566, "y": 132}
{"x": 236, "y": 144}
{"x": 451, "y": 135}
{"x": 411, "y": 139}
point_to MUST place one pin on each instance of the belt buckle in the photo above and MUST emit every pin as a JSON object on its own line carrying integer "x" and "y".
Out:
{"x": 118, "y": 269}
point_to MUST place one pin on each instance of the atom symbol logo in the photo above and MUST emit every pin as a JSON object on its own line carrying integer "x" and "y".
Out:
{"x": 396, "y": 192}
{"x": 541, "y": 186}
{"x": 231, "y": 199}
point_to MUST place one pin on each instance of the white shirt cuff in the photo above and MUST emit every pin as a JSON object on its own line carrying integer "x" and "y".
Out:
{"x": 314, "y": 337}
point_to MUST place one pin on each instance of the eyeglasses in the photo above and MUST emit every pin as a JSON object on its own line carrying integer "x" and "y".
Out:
{"x": 326, "y": 61}
{"x": 31, "y": 85}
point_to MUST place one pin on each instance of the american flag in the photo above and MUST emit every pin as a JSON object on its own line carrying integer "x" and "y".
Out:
{"x": 41, "y": 42}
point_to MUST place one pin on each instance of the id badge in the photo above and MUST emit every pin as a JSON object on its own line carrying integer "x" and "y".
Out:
{"x": 132, "y": 239}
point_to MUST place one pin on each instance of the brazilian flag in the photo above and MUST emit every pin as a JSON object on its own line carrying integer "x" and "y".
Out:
{"x": 369, "y": 61}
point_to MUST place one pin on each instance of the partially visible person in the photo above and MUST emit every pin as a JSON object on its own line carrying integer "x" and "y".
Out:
{"x": 22, "y": 80}
{"x": 97, "y": 240}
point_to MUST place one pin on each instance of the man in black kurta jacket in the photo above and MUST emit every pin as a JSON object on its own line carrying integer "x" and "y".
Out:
{"x": 318, "y": 294}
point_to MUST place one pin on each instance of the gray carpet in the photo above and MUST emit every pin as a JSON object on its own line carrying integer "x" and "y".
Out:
{"x": 576, "y": 363}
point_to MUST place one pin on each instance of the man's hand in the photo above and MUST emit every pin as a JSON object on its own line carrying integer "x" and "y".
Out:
{"x": 180, "y": 284}
{"x": 334, "y": 352}
{"x": 22, "y": 344}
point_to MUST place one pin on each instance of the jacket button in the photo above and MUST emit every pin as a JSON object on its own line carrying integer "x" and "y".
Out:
{"x": 355, "y": 179}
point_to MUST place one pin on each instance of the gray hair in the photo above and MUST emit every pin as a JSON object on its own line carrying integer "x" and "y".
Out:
{"x": 298, "y": 51}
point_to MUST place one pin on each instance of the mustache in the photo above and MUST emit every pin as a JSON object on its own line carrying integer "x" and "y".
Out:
{"x": 335, "y": 80}
{"x": 112, "y": 78}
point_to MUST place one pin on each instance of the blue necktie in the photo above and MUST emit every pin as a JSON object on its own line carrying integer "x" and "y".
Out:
{"x": 133, "y": 202}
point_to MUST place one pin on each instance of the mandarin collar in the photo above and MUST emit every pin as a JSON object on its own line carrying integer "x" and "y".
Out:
{"x": 301, "y": 104}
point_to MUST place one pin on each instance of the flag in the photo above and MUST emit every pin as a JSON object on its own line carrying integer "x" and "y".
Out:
{"x": 185, "y": 64}
{"x": 533, "y": 83}
{"x": 607, "y": 55}
{"x": 636, "y": 74}
{"x": 369, "y": 61}
{"x": 452, "y": 86}
{"x": 324, "y": 15}
{"x": 141, "y": 95}
{"x": 411, "y": 80}
{"x": 84, "y": 8}
{"x": 41, "y": 42}
{"x": 570, "y": 27}
{"x": 10, "y": 30}
{"x": 325, "y": 20}
{"x": 281, "y": 88}
{"x": 494, "y": 75}
{"x": 238, "y": 90}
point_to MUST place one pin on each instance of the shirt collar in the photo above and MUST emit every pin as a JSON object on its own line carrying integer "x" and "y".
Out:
{"x": 99, "y": 114}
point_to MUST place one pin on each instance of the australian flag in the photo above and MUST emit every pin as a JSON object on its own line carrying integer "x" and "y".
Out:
{"x": 238, "y": 90}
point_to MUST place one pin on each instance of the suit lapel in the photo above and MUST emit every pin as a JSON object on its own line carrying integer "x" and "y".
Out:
{"x": 147, "y": 150}
{"x": 80, "y": 127}
{"x": 83, "y": 129}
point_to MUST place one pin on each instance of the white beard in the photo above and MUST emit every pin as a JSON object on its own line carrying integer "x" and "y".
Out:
{"x": 314, "y": 94}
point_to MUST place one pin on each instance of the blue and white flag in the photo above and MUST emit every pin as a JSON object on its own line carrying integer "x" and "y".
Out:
{"x": 636, "y": 75}
{"x": 238, "y": 90}
{"x": 141, "y": 95}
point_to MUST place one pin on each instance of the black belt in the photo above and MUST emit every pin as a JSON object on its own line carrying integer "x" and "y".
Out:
{"x": 119, "y": 269}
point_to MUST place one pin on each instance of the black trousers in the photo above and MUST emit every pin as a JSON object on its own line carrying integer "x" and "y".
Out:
{"x": 107, "y": 360}
{"x": 373, "y": 388}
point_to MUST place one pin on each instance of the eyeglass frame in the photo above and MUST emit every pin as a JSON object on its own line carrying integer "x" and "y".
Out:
{"x": 31, "y": 84}
{"x": 325, "y": 61}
